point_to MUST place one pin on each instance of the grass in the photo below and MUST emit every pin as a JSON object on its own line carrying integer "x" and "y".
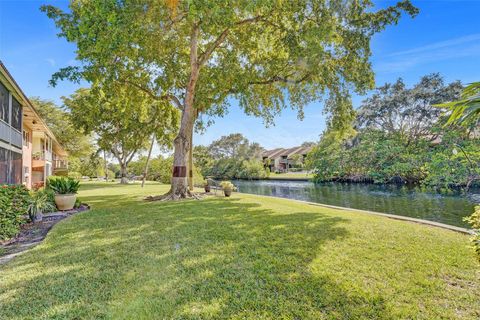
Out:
{"x": 245, "y": 257}
{"x": 291, "y": 176}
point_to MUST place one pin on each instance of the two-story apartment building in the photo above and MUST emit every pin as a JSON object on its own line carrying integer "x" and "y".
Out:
{"x": 281, "y": 160}
{"x": 29, "y": 152}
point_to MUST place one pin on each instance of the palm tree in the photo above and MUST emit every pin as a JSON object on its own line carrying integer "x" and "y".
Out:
{"x": 465, "y": 111}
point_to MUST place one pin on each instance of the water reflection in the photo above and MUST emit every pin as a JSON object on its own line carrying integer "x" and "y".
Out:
{"x": 398, "y": 200}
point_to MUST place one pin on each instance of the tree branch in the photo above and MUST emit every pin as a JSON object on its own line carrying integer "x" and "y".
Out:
{"x": 173, "y": 99}
{"x": 170, "y": 97}
{"x": 131, "y": 157}
{"x": 281, "y": 79}
{"x": 206, "y": 55}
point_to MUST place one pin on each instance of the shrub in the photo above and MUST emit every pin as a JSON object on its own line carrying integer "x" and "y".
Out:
{"x": 63, "y": 185}
{"x": 474, "y": 221}
{"x": 40, "y": 202}
{"x": 14, "y": 201}
{"x": 228, "y": 168}
{"x": 111, "y": 174}
{"x": 252, "y": 169}
{"x": 50, "y": 198}
{"x": 78, "y": 203}
{"x": 75, "y": 175}
{"x": 454, "y": 164}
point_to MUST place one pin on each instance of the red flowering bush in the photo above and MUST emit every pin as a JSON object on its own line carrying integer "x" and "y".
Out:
{"x": 14, "y": 201}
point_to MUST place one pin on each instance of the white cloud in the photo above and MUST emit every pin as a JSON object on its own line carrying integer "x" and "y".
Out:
{"x": 461, "y": 47}
{"x": 440, "y": 45}
{"x": 51, "y": 62}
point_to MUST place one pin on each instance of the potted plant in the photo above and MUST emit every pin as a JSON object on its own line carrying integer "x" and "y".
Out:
{"x": 65, "y": 191}
{"x": 37, "y": 156}
{"x": 227, "y": 187}
{"x": 206, "y": 186}
{"x": 40, "y": 203}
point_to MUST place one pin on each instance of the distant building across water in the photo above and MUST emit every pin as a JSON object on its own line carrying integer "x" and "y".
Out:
{"x": 284, "y": 160}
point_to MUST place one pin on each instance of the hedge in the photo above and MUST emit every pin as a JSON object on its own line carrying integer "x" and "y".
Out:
{"x": 14, "y": 201}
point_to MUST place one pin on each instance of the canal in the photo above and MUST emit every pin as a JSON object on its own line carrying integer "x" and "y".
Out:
{"x": 392, "y": 199}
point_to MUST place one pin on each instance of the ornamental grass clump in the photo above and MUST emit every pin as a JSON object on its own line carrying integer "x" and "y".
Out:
{"x": 14, "y": 202}
{"x": 42, "y": 201}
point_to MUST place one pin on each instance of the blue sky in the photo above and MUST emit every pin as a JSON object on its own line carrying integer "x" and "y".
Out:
{"x": 444, "y": 37}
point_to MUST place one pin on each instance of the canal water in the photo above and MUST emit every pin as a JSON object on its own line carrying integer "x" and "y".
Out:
{"x": 392, "y": 199}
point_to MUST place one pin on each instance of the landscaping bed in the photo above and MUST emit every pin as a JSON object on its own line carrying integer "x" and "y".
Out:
{"x": 33, "y": 233}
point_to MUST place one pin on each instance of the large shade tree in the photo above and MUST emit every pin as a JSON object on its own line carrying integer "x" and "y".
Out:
{"x": 235, "y": 146}
{"x": 408, "y": 112}
{"x": 123, "y": 120}
{"x": 201, "y": 55}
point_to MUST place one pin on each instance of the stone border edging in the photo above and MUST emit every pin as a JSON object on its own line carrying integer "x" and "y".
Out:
{"x": 20, "y": 247}
{"x": 287, "y": 179}
{"x": 386, "y": 215}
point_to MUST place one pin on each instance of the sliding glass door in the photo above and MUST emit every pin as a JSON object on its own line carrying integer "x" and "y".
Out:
{"x": 10, "y": 167}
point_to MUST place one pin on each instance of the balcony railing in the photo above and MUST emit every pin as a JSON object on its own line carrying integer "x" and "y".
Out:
{"x": 60, "y": 164}
{"x": 42, "y": 155}
{"x": 38, "y": 155}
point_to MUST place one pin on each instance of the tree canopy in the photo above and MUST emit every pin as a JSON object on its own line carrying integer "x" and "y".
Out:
{"x": 198, "y": 55}
{"x": 75, "y": 142}
{"x": 401, "y": 137}
{"x": 408, "y": 112}
{"x": 229, "y": 157}
{"x": 82, "y": 157}
{"x": 234, "y": 145}
{"x": 123, "y": 120}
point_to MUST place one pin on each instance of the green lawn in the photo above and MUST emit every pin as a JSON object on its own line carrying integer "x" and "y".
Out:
{"x": 290, "y": 176}
{"x": 246, "y": 257}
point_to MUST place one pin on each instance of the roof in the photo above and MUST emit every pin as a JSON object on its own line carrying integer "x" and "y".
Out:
{"x": 281, "y": 152}
{"x": 272, "y": 153}
{"x": 31, "y": 116}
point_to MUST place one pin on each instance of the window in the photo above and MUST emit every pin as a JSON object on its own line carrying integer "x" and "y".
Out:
{"x": 16, "y": 168}
{"x": 16, "y": 114}
{"x": 4, "y": 165}
{"x": 4, "y": 96}
{"x": 26, "y": 138}
{"x": 10, "y": 167}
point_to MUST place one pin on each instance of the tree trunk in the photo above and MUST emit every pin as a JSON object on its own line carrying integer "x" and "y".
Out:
{"x": 145, "y": 172}
{"x": 123, "y": 173}
{"x": 106, "y": 165}
{"x": 182, "y": 145}
{"x": 190, "y": 162}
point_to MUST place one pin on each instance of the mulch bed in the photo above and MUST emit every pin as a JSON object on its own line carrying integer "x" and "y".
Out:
{"x": 32, "y": 234}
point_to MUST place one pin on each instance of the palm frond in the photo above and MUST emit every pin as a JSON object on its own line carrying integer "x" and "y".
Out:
{"x": 465, "y": 111}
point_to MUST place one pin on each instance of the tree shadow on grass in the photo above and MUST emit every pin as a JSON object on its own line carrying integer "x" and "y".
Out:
{"x": 216, "y": 258}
